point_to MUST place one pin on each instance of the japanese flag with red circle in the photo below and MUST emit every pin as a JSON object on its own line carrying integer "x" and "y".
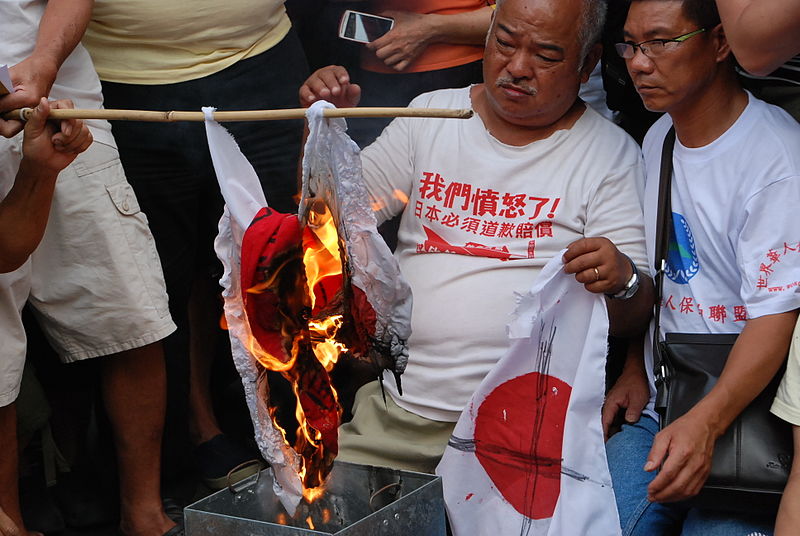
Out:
{"x": 527, "y": 455}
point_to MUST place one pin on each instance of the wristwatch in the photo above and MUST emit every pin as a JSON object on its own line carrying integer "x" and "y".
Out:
{"x": 630, "y": 287}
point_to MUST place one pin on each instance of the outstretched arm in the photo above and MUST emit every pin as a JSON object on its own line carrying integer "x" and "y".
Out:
{"x": 60, "y": 30}
{"x": 46, "y": 150}
{"x": 414, "y": 32}
{"x": 762, "y": 33}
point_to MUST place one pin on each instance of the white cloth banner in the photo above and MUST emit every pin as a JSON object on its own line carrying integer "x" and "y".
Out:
{"x": 527, "y": 455}
{"x": 243, "y": 199}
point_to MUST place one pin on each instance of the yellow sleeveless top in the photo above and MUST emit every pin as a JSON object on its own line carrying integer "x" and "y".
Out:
{"x": 156, "y": 42}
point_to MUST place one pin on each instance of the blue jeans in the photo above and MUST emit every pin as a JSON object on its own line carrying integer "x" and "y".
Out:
{"x": 627, "y": 453}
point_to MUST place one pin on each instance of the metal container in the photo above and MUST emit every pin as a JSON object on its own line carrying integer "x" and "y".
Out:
{"x": 360, "y": 500}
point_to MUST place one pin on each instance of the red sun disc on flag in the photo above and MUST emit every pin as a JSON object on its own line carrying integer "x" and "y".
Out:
{"x": 519, "y": 431}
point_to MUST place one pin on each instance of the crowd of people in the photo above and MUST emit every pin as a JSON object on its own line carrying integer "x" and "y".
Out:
{"x": 106, "y": 230}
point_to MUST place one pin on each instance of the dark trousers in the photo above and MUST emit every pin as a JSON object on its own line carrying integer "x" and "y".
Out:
{"x": 169, "y": 167}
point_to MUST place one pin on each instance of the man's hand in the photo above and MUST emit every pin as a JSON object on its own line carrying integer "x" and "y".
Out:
{"x": 401, "y": 45}
{"x": 51, "y": 147}
{"x": 631, "y": 392}
{"x": 598, "y": 265}
{"x": 32, "y": 77}
{"x": 331, "y": 83}
{"x": 683, "y": 450}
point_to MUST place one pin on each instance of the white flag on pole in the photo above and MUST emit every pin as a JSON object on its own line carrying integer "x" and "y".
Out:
{"x": 244, "y": 198}
{"x": 527, "y": 455}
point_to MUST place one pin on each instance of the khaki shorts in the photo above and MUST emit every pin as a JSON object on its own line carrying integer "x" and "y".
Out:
{"x": 95, "y": 282}
{"x": 386, "y": 435}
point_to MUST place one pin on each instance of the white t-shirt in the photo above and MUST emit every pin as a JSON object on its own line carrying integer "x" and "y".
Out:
{"x": 76, "y": 80}
{"x": 482, "y": 219}
{"x": 736, "y": 251}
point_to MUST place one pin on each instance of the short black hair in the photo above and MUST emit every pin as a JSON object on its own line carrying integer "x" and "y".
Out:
{"x": 702, "y": 12}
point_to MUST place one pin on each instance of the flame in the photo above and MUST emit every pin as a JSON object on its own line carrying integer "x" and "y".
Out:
{"x": 323, "y": 258}
{"x": 401, "y": 195}
{"x": 329, "y": 349}
{"x": 379, "y": 204}
{"x": 282, "y": 519}
{"x": 326, "y": 515}
{"x": 314, "y": 348}
{"x": 312, "y": 494}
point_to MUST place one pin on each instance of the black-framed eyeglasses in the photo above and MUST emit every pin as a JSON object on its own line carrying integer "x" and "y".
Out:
{"x": 654, "y": 47}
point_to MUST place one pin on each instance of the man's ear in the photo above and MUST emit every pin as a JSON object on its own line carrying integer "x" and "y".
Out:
{"x": 590, "y": 61}
{"x": 723, "y": 48}
{"x": 491, "y": 27}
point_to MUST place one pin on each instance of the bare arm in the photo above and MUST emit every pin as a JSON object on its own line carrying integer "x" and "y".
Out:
{"x": 60, "y": 31}
{"x": 789, "y": 512}
{"x": 414, "y": 32}
{"x": 762, "y": 33}
{"x": 685, "y": 447}
{"x": 631, "y": 391}
{"x": 46, "y": 150}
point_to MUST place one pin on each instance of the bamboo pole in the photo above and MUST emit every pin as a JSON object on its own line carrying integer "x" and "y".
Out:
{"x": 246, "y": 115}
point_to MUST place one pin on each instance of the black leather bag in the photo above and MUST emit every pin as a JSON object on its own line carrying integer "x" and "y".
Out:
{"x": 752, "y": 460}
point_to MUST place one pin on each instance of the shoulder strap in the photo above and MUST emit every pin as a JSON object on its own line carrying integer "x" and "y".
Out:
{"x": 662, "y": 244}
{"x": 664, "y": 217}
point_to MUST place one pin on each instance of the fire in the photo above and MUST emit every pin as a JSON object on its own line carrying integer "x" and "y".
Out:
{"x": 312, "y": 494}
{"x": 310, "y": 523}
{"x": 321, "y": 257}
{"x": 401, "y": 195}
{"x": 309, "y": 325}
{"x": 397, "y": 194}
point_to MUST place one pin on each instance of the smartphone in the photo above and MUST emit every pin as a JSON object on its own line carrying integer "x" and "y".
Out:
{"x": 363, "y": 27}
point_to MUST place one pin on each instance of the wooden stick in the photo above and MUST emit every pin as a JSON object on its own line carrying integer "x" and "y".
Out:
{"x": 247, "y": 115}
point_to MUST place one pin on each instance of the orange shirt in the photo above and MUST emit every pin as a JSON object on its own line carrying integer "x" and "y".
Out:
{"x": 438, "y": 55}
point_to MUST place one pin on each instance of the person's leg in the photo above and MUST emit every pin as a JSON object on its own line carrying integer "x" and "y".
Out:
{"x": 715, "y": 523}
{"x": 98, "y": 290}
{"x": 273, "y": 148}
{"x": 386, "y": 435}
{"x": 11, "y": 523}
{"x": 134, "y": 391}
{"x": 164, "y": 165}
{"x": 204, "y": 311}
{"x": 627, "y": 453}
{"x": 9, "y": 477}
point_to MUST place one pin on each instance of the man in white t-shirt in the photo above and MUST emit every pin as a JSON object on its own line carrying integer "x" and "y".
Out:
{"x": 734, "y": 258}
{"x": 94, "y": 282}
{"x": 485, "y": 203}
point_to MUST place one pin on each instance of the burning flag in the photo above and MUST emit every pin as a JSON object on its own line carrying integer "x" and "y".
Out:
{"x": 527, "y": 455}
{"x": 301, "y": 290}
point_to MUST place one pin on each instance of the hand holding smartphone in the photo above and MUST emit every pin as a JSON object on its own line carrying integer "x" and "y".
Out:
{"x": 363, "y": 27}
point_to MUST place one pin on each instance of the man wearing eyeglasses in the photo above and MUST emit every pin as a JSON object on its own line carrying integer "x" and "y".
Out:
{"x": 733, "y": 264}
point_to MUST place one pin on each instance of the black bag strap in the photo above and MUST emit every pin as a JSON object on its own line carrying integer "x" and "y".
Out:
{"x": 663, "y": 229}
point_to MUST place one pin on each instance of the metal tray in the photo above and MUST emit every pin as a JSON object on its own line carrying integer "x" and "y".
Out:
{"x": 361, "y": 500}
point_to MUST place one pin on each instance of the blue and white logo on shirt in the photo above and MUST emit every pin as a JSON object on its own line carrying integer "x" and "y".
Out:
{"x": 682, "y": 263}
